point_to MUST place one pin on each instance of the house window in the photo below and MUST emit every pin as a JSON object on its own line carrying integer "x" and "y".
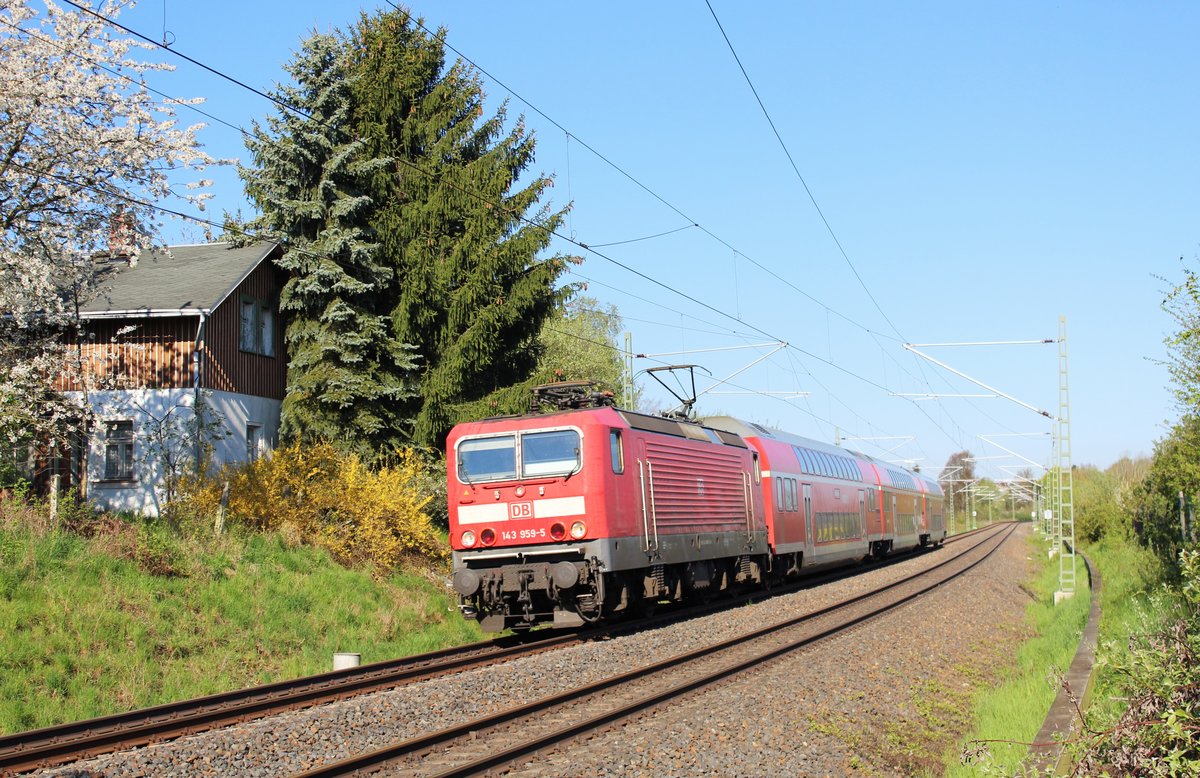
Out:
{"x": 118, "y": 451}
{"x": 257, "y": 327}
{"x": 254, "y": 441}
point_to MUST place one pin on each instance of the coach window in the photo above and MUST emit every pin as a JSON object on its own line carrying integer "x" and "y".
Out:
{"x": 757, "y": 468}
{"x": 808, "y": 465}
{"x": 779, "y": 494}
{"x": 823, "y": 461}
{"x": 618, "y": 454}
{"x": 791, "y": 494}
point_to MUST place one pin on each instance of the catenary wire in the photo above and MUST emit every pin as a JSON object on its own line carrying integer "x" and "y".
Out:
{"x": 284, "y": 105}
{"x": 632, "y": 178}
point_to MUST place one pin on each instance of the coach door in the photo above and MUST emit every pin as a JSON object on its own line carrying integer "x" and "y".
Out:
{"x": 810, "y": 548}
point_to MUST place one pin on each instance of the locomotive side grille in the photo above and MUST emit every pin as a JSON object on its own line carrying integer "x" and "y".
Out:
{"x": 696, "y": 489}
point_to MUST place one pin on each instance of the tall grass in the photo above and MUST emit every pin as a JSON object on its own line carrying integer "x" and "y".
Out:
{"x": 1134, "y": 601}
{"x": 138, "y": 615}
{"x": 1008, "y": 716}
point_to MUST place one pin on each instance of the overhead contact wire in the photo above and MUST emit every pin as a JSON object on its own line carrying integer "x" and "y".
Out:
{"x": 521, "y": 217}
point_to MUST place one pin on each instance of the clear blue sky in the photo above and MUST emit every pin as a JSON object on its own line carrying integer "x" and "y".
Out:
{"x": 986, "y": 168}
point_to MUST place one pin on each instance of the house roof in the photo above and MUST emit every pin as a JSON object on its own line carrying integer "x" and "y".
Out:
{"x": 188, "y": 281}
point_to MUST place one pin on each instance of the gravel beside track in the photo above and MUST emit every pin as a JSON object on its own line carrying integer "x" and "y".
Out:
{"x": 878, "y": 701}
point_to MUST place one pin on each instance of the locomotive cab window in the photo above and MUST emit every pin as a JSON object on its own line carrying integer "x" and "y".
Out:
{"x": 550, "y": 453}
{"x": 487, "y": 459}
{"x": 618, "y": 454}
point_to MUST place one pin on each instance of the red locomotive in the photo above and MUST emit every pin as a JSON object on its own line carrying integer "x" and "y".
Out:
{"x": 575, "y": 515}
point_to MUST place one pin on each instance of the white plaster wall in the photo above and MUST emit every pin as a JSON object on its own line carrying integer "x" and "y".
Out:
{"x": 141, "y": 406}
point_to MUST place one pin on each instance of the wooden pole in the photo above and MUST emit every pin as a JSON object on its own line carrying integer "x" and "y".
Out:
{"x": 219, "y": 528}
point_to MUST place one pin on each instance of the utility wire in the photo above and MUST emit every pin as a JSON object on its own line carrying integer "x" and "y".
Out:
{"x": 516, "y": 215}
{"x": 183, "y": 56}
{"x": 129, "y": 79}
{"x": 633, "y": 179}
{"x": 811, "y": 196}
{"x": 796, "y": 169}
{"x": 874, "y": 334}
{"x": 638, "y": 240}
{"x": 663, "y": 363}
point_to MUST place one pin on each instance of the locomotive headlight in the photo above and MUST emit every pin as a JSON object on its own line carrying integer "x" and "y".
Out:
{"x": 578, "y": 530}
{"x": 468, "y": 539}
{"x": 487, "y": 537}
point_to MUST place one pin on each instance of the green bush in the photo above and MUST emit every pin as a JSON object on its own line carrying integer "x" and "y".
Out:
{"x": 1156, "y": 671}
{"x": 316, "y": 494}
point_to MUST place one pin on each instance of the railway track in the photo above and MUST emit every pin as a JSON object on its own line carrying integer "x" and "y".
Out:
{"x": 51, "y": 746}
{"x": 26, "y": 751}
{"x": 506, "y": 737}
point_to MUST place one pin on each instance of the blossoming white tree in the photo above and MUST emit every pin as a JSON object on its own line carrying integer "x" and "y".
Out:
{"x": 84, "y": 146}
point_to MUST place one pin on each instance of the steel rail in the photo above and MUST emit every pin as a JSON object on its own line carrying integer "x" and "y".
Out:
{"x": 56, "y": 745}
{"x": 373, "y": 761}
{"x": 61, "y": 744}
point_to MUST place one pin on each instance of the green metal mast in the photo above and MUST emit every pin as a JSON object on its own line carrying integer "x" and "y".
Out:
{"x": 1065, "y": 482}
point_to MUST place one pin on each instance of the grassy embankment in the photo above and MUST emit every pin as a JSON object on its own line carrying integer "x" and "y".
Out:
{"x": 1008, "y": 716}
{"x": 137, "y": 615}
{"x": 1013, "y": 710}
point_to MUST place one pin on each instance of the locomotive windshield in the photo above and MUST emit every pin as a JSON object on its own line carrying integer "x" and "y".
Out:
{"x": 488, "y": 459}
{"x": 495, "y": 458}
{"x": 549, "y": 453}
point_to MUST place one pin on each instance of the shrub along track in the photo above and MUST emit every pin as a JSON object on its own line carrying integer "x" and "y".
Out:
{"x": 66, "y": 743}
{"x": 511, "y": 736}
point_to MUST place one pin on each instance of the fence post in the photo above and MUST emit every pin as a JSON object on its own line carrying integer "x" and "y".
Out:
{"x": 220, "y": 525}
{"x": 1183, "y": 533}
{"x": 54, "y": 486}
{"x": 1191, "y": 516}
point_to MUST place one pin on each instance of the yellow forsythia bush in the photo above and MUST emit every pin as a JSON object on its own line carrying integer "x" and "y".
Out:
{"x": 330, "y": 498}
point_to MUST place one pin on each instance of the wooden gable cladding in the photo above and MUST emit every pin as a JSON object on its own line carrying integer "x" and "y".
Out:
{"x": 155, "y": 348}
{"x": 152, "y": 353}
{"x": 226, "y": 366}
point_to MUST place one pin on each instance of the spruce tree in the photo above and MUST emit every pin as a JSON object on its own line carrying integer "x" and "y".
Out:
{"x": 473, "y": 294}
{"x": 349, "y": 377}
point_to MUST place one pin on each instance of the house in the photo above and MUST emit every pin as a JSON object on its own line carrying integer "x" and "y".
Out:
{"x": 193, "y": 328}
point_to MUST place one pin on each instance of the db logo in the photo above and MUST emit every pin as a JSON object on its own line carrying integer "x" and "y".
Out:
{"x": 520, "y": 510}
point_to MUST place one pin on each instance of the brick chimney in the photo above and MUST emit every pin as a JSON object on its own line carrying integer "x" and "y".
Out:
{"x": 122, "y": 238}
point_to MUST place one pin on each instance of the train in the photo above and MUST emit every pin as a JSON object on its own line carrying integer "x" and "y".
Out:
{"x": 579, "y": 511}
